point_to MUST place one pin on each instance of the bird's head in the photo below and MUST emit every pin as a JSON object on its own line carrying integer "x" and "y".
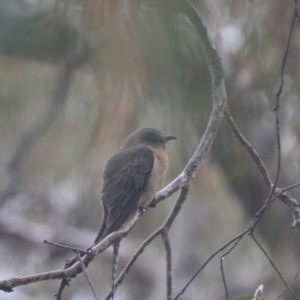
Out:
{"x": 148, "y": 136}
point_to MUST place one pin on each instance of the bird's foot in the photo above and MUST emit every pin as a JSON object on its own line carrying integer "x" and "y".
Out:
{"x": 153, "y": 203}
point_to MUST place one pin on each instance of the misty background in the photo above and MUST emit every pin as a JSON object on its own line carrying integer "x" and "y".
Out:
{"x": 77, "y": 76}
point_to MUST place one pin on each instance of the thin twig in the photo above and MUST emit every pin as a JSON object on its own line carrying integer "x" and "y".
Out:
{"x": 168, "y": 250}
{"x": 281, "y": 193}
{"x": 87, "y": 276}
{"x": 222, "y": 260}
{"x": 273, "y": 265}
{"x": 99, "y": 248}
{"x": 286, "y": 52}
{"x": 174, "y": 212}
{"x": 233, "y": 241}
{"x": 223, "y": 277}
{"x": 208, "y": 260}
{"x": 68, "y": 247}
{"x": 133, "y": 259}
{"x": 253, "y": 153}
{"x": 176, "y": 208}
{"x": 276, "y": 109}
{"x": 278, "y": 95}
{"x": 281, "y": 294}
{"x": 284, "y": 197}
{"x": 291, "y": 187}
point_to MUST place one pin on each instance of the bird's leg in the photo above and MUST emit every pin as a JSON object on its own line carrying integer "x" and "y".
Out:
{"x": 153, "y": 203}
{"x": 148, "y": 204}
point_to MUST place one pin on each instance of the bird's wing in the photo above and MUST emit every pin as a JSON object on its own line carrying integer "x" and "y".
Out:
{"x": 124, "y": 179}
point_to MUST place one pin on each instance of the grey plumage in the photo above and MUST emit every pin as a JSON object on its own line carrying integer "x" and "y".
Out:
{"x": 127, "y": 177}
{"x": 124, "y": 179}
{"x": 131, "y": 176}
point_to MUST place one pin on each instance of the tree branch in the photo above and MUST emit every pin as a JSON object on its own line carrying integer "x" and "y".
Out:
{"x": 168, "y": 250}
{"x": 273, "y": 265}
{"x": 284, "y": 196}
{"x": 88, "y": 279}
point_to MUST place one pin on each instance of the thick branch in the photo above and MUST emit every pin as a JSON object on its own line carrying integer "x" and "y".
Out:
{"x": 73, "y": 268}
{"x": 219, "y": 102}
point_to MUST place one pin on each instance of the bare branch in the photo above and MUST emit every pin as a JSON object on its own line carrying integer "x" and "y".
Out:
{"x": 219, "y": 102}
{"x": 284, "y": 196}
{"x": 72, "y": 267}
{"x": 273, "y": 265}
{"x": 68, "y": 247}
{"x": 63, "y": 284}
{"x": 139, "y": 251}
{"x": 291, "y": 187}
{"x": 236, "y": 239}
{"x": 87, "y": 276}
{"x": 278, "y": 95}
{"x": 281, "y": 294}
{"x": 166, "y": 240}
{"x": 180, "y": 200}
{"x": 286, "y": 52}
{"x": 294, "y": 206}
{"x": 253, "y": 153}
{"x": 223, "y": 277}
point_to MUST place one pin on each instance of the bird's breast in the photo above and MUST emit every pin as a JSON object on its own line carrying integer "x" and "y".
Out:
{"x": 157, "y": 176}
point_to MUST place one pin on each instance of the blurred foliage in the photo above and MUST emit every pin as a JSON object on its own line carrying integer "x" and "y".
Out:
{"x": 140, "y": 63}
{"x": 41, "y": 35}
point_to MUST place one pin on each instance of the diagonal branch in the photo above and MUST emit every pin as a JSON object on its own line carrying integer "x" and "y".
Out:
{"x": 273, "y": 265}
{"x": 218, "y": 98}
{"x": 283, "y": 195}
{"x": 252, "y": 152}
{"x": 88, "y": 279}
{"x": 160, "y": 231}
{"x": 232, "y": 244}
{"x": 72, "y": 268}
{"x": 295, "y": 278}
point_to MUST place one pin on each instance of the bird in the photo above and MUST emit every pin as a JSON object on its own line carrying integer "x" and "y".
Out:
{"x": 132, "y": 177}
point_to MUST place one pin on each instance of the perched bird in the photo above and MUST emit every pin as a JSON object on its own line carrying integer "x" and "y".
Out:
{"x": 132, "y": 176}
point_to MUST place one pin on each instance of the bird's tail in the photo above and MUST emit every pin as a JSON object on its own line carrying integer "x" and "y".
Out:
{"x": 114, "y": 269}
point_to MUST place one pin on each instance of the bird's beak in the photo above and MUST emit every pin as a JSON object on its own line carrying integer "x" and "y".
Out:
{"x": 170, "y": 137}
